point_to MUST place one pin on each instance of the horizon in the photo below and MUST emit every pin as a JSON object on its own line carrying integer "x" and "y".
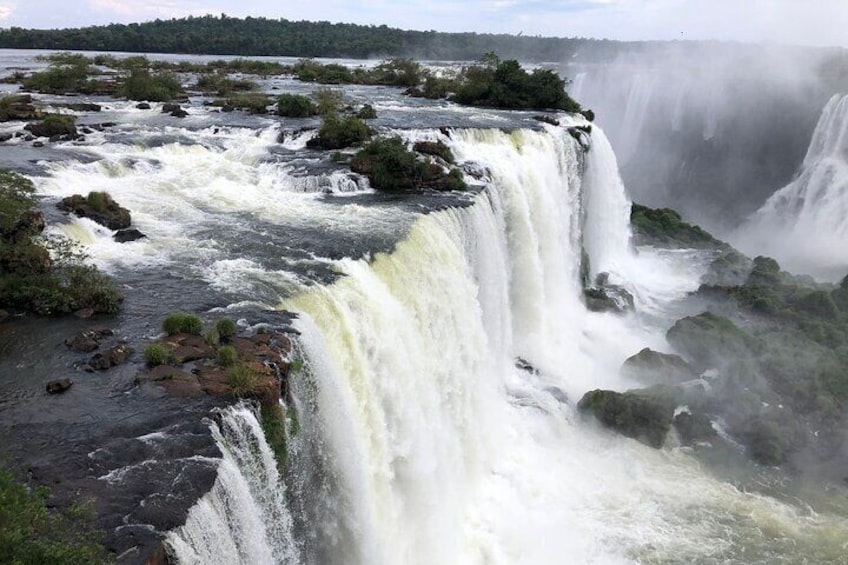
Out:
{"x": 761, "y": 22}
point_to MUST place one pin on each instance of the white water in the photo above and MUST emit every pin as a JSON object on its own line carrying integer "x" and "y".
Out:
{"x": 441, "y": 451}
{"x": 244, "y": 518}
{"x": 805, "y": 224}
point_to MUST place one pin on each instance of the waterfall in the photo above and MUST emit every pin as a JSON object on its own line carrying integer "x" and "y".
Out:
{"x": 805, "y": 224}
{"x": 244, "y": 518}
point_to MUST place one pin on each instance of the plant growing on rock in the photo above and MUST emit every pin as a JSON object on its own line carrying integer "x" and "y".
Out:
{"x": 390, "y": 165}
{"x": 143, "y": 85}
{"x": 227, "y": 356}
{"x": 181, "y": 322}
{"x": 295, "y": 106}
{"x": 226, "y": 328}
{"x": 156, "y": 354}
{"x": 242, "y": 380}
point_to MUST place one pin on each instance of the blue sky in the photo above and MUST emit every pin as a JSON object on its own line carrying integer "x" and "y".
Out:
{"x": 807, "y": 22}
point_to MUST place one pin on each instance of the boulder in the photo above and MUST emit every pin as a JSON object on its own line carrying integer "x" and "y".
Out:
{"x": 107, "y": 213}
{"x": 4, "y": 137}
{"x": 167, "y": 373}
{"x": 31, "y": 223}
{"x": 59, "y": 386}
{"x": 771, "y": 436}
{"x": 652, "y": 368}
{"x": 4, "y": 316}
{"x": 128, "y": 235}
{"x": 143, "y": 106}
{"x": 607, "y": 297}
{"x": 54, "y": 124}
{"x": 89, "y": 340}
{"x": 711, "y": 341}
{"x": 19, "y": 107}
{"x": 694, "y": 428}
{"x": 110, "y": 358}
{"x": 644, "y": 415}
{"x": 588, "y": 114}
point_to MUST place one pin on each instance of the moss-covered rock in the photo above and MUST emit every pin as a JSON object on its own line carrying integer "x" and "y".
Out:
{"x": 709, "y": 340}
{"x": 652, "y": 368}
{"x": 644, "y": 415}
{"x": 99, "y": 207}
{"x": 664, "y": 227}
{"x": 391, "y": 166}
{"x": 54, "y": 125}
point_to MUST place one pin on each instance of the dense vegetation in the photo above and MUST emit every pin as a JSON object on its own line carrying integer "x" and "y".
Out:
{"x": 33, "y": 534}
{"x": 663, "y": 226}
{"x": 260, "y": 36}
{"x": 390, "y": 165}
{"x": 31, "y": 277}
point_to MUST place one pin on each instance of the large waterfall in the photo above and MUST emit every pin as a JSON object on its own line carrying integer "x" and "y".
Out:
{"x": 805, "y": 224}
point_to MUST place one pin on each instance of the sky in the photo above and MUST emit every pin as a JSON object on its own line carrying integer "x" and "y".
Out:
{"x": 802, "y": 22}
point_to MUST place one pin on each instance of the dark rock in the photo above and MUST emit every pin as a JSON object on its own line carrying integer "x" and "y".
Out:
{"x": 711, "y": 341}
{"x": 4, "y": 316}
{"x": 29, "y": 137}
{"x": 169, "y": 107}
{"x": 53, "y": 124}
{"x": 89, "y": 340}
{"x": 143, "y": 106}
{"x": 110, "y": 358}
{"x": 606, "y": 297}
{"x": 641, "y": 415}
{"x": 84, "y": 314}
{"x": 167, "y": 373}
{"x": 434, "y": 148}
{"x": 652, "y": 367}
{"x": 179, "y": 113}
{"x": 127, "y": 235}
{"x": 547, "y": 120}
{"x": 110, "y": 214}
{"x": 558, "y": 394}
{"x": 771, "y": 437}
{"x": 525, "y": 365}
{"x": 59, "y": 386}
{"x": 28, "y": 225}
{"x": 19, "y": 107}
{"x": 159, "y": 557}
{"x": 38, "y": 144}
{"x": 694, "y": 428}
{"x": 84, "y": 107}
{"x": 5, "y": 137}
{"x": 86, "y": 130}
{"x": 730, "y": 268}
{"x": 588, "y": 114}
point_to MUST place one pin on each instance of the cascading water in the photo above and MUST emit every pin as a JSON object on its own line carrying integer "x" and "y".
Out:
{"x": 440, "y": 450}
{"x": 805, "y": 224}
{"x": 244, "y": 518}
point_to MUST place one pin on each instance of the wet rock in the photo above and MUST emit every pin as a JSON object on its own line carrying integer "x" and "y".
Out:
{"x": 5, "y": 137}
{"x": 53, "y": 124}
{"x": 4, "y": 316}
{"x": 30, "y": 224}
{"x": 558, "y": 394}
{"x": 694, "y": 428}
{"x": 111, "y": 358}
{"x": 167, "y": 373}
{"x": 19, "y": 107}
{"x": 772, "y": 436}
{"x": 607, "y": 297}
{"x": 652, "y": 367}
{"x": 143, "y": 106}
{"x": 644, "y": 415}
{"x": 159, "y": 557}
{"x": 179, "y": 113}
{"x": 89, "y": 340}
{"x": 84, "y": 313}
{"x": 128, "y": 235}
{"x": 38, "y": 144}
{"x": 108, "y": 214}
{"x": 546, "y": 120}
{"x": 524, "y": 365}
{"x": 711, "y": 341}
{"x": 175, "y": 110}
{"x": 588, "y": 114}
{"x": 83, "y": 107}
{"x": 59, "y": 386}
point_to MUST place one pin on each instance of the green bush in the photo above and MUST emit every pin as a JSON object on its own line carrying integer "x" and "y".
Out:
{"x": 367, "y": 112}
{"x": 253, "y": 102}
{"x": 295, "y": 106}
{"x": 227, "y": 356}
{"x": 156, "y": 354}
{"x": 338, "y": 133}
{"x": 274, "y": 429}
{"x": 98, "y": 200}
{"x": 242, "y": 380}
{"x": 65, "y": 75}
{"x": 33, "y": 534}
{"x": 389, "y": 165}
{"x": 226, "y": 328}
{"x": 143, "y": 85}
{"x": 181, "y": 322}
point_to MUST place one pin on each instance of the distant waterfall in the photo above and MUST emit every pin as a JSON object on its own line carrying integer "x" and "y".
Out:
{"x": 243, "y": 519}
{"x": 805, "y": 224}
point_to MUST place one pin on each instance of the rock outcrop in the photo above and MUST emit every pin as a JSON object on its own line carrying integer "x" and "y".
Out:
{"x": 104, "y": 210}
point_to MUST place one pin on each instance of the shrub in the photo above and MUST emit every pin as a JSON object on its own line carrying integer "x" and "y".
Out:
{"x": 65, "y": 74}
{"x": 389, "y": 165}
{"x": 398, "y": 72}
{"x": 436, "y": 148}
{"x": 338, "y": 133}
{"x": 31, "y": 532}
{"x": 242, "y": 380}
{"x": 181, "y": 322}
{"x": 227, "y": 356}
{"x": 98, "y": 200}
{"x": 328, "y": 101}
{"x": 295, "y": 106}
{"x": 367, "y": 112}
{"x": 274, "y": 428}
{"x": 226, "y": 328}
{"x": 156, "y": 87}
{"x": 156, "y": 354}
{"x": 253, "y": 102}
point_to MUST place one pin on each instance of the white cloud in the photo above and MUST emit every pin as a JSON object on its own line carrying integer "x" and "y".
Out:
{"x": 6, "y": 11}
{"x": 134, "y": 10}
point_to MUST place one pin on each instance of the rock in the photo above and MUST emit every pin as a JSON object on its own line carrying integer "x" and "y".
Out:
{"x": 606, "y": 297}
{"x": 179, "y": 113}
{"x": 159, "y": 557}
{"x": 143, "y": 106}
{"x": 166, "y": 373}
{"x": 127, "y": 235}
{"x": 651, "y": 367}
{"x": 711, "y": 341}
{"x": 524, "y": 365}
{"x": 186, "y": 353}
{"x": 588, "y": 114}
{"x": 4, "y": 316}
{"x": 84, "y": 107}
{"x": 30, "y": 224}
{"x": 110, "y": 358}
{"x": 694, "y": 428}
{"x": 547, "y": 120}
{"x": 5, "y": 137}
{"x": 730, "y": 268}
{"x": 169, "y": 107}
{"x": 53, "y": 124}
{"x": 19, "y": 108}
{"x": 434, "y": 148}
{"x": 59, "y": 386}
{"x": 38, "y": 144}
{"x": 84, "y": 314}
{"x": 558, "y": 394}
{"x": 108, "y": 213}
{"x": 642, "y": 415}
{"x": 772, "y": 436}
{"x": 89, "y": 340}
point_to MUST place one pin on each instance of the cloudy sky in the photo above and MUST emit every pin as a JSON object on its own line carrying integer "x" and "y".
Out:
{"x": 807, "y": 22}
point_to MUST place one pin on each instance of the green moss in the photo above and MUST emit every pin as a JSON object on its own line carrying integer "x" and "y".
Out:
{"x": 156, "y": 354}
{"x": 33, "y": 534}
{"x": 274, "y": 428}
{"x": 665, "y": 227}
{"x": 181, "y": 322}
{"x": 242, "y": 380}
{"x": 98, "y": 200}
